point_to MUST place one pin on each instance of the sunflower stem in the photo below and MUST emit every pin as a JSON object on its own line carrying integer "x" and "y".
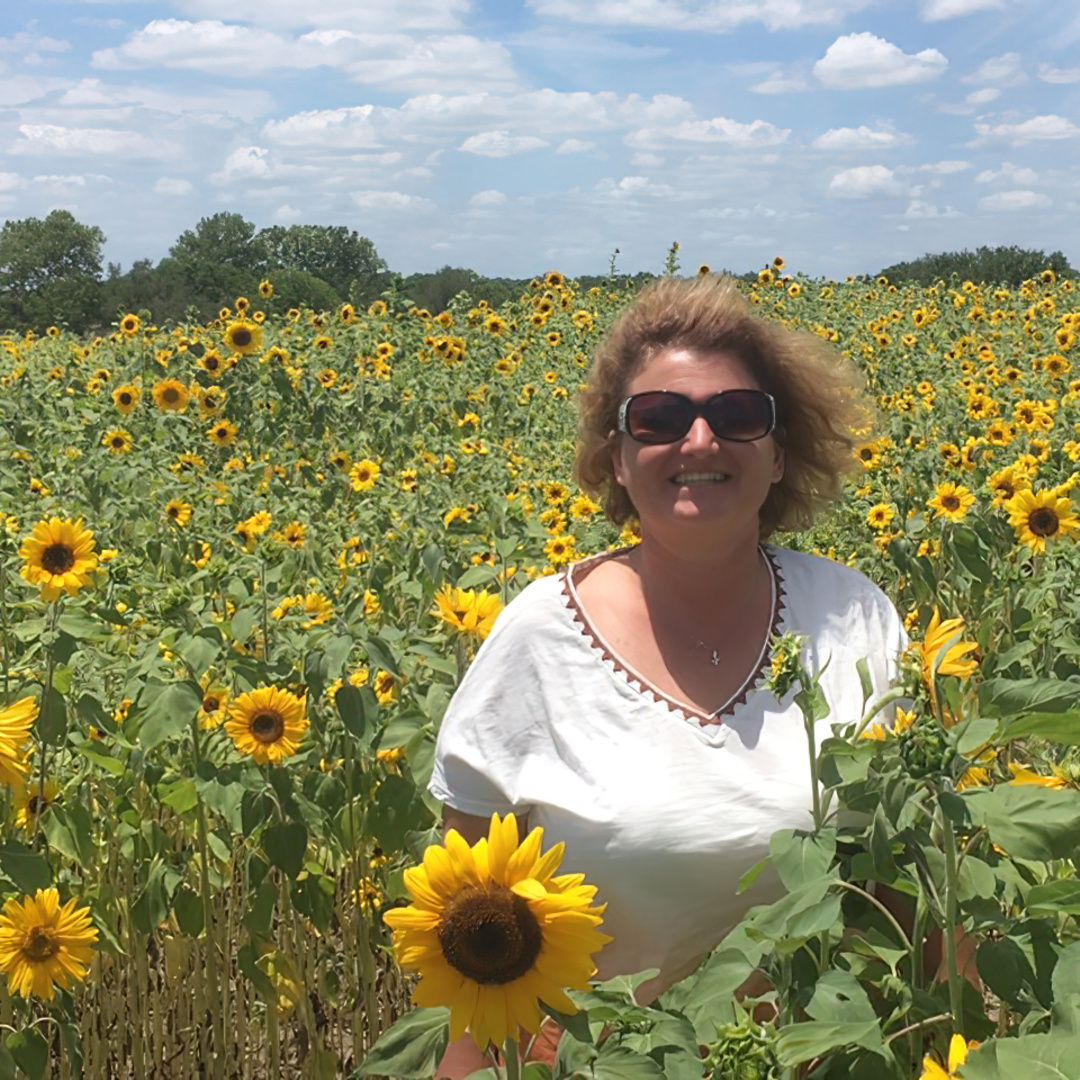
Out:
{"x": 50, "y": 667}
{"x": 512, "y": 1058}
{"x": 951, "y": 884}
{"x": 217, "y": 1061}
{"x": 265, "y": 623}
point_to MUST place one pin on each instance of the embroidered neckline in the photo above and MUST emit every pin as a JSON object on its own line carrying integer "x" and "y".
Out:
{"x": 753, "y": 681}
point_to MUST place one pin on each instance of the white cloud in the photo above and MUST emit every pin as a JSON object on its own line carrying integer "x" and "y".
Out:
{"x": 1037, "y": 128}
{"x": 391, "y": 200}
{"x": 10, "y": 181}
{"x": 860, "y": 138}
{"x": 865, "y": 181}
{"x": 982, "y": 97}
{"x": 631, "y": 187}
{"x": 708, "y": 16}
{"x": 644, "y": 160}
{"x": 425, "y": 15}
{"x": 392, "y": 61}
{"x": 25, "y": 45}
{"x": 20, "y": 89}
{"x": 938, "y": 10}
{"x": 287, "y": 215}
{"x": 1014, "y": 174}
{"x": 168, "y": 186}
{"x": 575, "y": 146}
{"x": 108, "y": 142}
{"x": 1019, "y": 199}
{"x": 221, "y": 101}
{"x": 780, "y": 83}
{"x": 500, "y": 144}
{"x": 244, "y": 163}
{"x": 943, "y": 168}
{"x": 1049, "y": 73}
{"x": 490, "y": 197}
{"x": 1001, "y": 71}
{"x": 720, "y": 129}
{"x": 865, "y": 61}
{"x": 919, "y": 209}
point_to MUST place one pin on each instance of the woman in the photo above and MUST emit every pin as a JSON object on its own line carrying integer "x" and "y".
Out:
{"x": 622, "y": 704}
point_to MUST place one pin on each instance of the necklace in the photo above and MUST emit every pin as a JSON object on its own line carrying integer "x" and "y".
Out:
{"x": 714, "y": 657}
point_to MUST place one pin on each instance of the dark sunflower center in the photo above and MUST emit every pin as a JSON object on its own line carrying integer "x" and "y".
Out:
{"x": 241, "y": 337}
{"x": 118, "y": 440}
{"x": 170, "y": 395}
{"x": 125, "y": 399}
{"x": 1043, "y": 522}
{"x": 950, "y": 502}
{"x": 39, "y": 945}
{"x": 268, "y": 727}
{"x": 490, "y": 935}
{"x": 58, "y": 558}
{"x": 35, "y": 804}
{"x": 211, "y": 704}
{"x": 211, "y": 364}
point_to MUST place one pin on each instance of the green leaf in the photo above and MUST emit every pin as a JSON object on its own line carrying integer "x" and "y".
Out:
{"x": 190, "y": 912}
{"x": 314, "y": 897}
{"x": 180, "y": 795}
{"x": 1063, "y": 727}
{"x": 412, "y": 1048}
{"x": 838, "y": 996}
{"x": 83, "y": 627}
{"x": 285, "y": 846}
{"x": 800, "y": 858}
{"x": 168, "y": 713}
{"x": 619, "y": 1063}
{"x": 1005, "y": 969}
{"x": 1033, "y": 1057}
{"x": 30, "y": 1051}
{"x": 261, "y": 910}
{"x": 353, "y": 710}
{"x": 974, "y": 734}
{"x": 1054, "y": 897}
{"x": 199, "y": 650}
{"x": 1066, "y": 986}
{"x": 1016, "y": 697}
{"x": 25, "y": 868}
{"x": 68, "y": 830}
{"x": 51, "y": 724}
{"x": 151, "y": 906}
{"x": 797, "y": 1043}
{"x": 709, "y": 991}
{"x": 1032, "y": 822}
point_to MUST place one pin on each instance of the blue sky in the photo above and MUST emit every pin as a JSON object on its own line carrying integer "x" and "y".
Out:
{"x": 519, "y": 136}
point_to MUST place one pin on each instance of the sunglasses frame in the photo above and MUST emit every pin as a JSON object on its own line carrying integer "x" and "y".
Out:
{"x": 698, "y": 410}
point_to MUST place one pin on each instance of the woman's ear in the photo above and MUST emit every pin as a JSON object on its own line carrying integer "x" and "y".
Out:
{"x": 616, "y": 457}
{"x": 779, "y": 461}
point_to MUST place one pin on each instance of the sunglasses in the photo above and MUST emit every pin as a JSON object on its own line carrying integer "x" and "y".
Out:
{"x": 663, "y": 416}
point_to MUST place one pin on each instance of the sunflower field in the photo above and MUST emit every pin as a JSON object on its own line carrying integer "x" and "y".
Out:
{"x": 243, "y": 567}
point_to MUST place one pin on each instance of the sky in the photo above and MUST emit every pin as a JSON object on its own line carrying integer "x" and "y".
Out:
{"x": 519, "y": 136}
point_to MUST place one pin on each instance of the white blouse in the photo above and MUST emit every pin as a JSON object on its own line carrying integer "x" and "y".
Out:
{"x": 660, "y": 806}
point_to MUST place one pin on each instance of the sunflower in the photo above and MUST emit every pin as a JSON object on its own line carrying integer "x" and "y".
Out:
{"x": 44, "y": 945}
{"x": 467, "y": 611}
{"x": 1059, "y": 780}
{"x": 126, "y": 398}
{"x": 560, "y": 549}
{"x": 15, "y": 724}
{"x": 880, "y": 516}
{"x": 130, "y": 325}
{"x": 223, "y": 433}
{"x": 31, "y": 802}
{"x": 118, "y": 441}
{"x": 266, "y": 289}
{"x": 212, "y": 709}
{"x": 869, "y": 455}
{"x": 267, "y": 724}
{"x": 364, "y": 475}
{"x": 958, "y": 1052}
{"x": 939, "y": 657}
{"x": 244, "y": 337}
{"x": 1039, "y": 517}
{"x": 171, "y": 395}
{"x": 493, "y": 932}
{"x": 951, "y": 501}
{"x": 213, "y": 363}
{"x": 59, "y": 556}
{"x": 179, "y": 513}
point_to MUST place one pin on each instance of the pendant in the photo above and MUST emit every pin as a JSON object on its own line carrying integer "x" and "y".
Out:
{"x": 715, "y": 658}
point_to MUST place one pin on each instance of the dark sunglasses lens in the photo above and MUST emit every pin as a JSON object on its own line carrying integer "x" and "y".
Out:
{"x": 741, "y": 415}
{"x": 658, "y": 418}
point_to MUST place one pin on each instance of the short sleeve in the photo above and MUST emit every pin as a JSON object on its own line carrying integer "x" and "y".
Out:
{"x": 494, "y": 724}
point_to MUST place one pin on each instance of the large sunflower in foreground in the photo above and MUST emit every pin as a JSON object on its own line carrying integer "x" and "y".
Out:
{"x": 244, "y": 337}
{"x": 59, "y": 556}
{"x": 171, "y": 395}
{"x": 15, "y": 724}
{"x": 267, "y": 724}
{"x": 467, "y": 611}
{"x": 44, "y": 945}
{"x": 1040, "y": 517}
{"x": 493, "y": 932}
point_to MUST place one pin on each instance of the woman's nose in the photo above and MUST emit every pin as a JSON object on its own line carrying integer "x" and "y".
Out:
{"x": 700, "y": 436}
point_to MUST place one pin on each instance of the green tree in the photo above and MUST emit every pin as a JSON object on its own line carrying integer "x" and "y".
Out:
{"x": 50, "y": 272}
{"x": 345, "y": 260}
{"x": 986, "y": 266}
{"x": 217, "y": 259}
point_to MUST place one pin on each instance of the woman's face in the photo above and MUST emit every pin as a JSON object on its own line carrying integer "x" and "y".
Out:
{"x": 652, "y": 475}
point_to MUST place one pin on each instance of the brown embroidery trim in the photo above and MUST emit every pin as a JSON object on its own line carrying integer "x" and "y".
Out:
{"x": 642, "y": 685}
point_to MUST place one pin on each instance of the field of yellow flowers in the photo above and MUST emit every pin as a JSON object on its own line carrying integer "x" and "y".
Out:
{"x": 243, "y": 566}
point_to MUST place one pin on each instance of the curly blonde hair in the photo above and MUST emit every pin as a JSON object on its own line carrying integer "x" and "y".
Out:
{"x": 819, "y": 394}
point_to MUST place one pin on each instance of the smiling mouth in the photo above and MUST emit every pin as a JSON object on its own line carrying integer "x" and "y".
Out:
{"x": 700, "y": 478}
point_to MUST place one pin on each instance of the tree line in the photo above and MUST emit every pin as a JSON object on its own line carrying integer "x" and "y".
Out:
{"x": 51, "y": 272}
